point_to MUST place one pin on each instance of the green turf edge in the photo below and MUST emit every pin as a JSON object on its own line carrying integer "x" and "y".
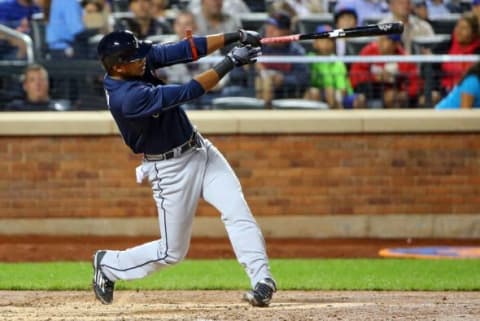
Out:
{"x": 291, "y": 274}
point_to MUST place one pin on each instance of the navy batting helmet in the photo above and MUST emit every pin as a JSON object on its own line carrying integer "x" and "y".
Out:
{"x": 119, "y": 47}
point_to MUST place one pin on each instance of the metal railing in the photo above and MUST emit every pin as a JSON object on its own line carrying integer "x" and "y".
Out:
{"x": 81, "y": 79}
{"x": 28, "y": 44}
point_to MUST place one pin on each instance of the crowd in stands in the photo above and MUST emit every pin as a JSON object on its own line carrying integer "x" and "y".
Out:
{"x": 64, "y": 74}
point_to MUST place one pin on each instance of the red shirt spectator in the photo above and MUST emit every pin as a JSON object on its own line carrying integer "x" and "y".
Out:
{"x": 402, "y": 76}
{"x": 465, "y": 41}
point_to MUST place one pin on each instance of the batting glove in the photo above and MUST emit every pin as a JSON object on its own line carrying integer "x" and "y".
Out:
{"x": 249, "y": 37}
{"x": 244, "y": 55}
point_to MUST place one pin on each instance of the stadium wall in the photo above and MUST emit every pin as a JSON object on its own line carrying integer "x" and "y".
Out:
{"x": 370, "y": 173}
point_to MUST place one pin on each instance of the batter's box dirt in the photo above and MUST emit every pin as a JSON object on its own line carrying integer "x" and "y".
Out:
{"x": 226, "y": 305}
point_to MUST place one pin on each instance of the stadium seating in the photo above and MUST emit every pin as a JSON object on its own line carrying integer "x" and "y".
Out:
{"x": 298, "y": 104}
{"x": 439, "y": 44}
{"x": 162, "y": 38}
{"x": 237, "y": 103}
{"x": 445, "y": 24}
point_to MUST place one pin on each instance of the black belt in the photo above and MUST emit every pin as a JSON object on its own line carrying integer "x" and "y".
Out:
{"x": 193, "y": 142}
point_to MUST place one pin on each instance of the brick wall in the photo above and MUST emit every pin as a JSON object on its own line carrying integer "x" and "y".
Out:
{"x": 318, "y": 174}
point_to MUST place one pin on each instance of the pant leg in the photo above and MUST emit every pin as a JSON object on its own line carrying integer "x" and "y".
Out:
{"x": 176, "y": 185}
{"x": 222, "y": 189}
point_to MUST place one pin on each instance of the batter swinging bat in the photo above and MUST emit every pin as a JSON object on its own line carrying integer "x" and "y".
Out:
{"x": 363, "y": 31}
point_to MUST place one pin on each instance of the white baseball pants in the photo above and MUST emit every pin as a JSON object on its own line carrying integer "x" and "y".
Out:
{"x": 177, "y": 185}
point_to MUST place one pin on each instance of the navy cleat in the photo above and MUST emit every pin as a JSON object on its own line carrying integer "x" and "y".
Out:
{"x": 262, "y": 294}
{"x": 102, "y": 286}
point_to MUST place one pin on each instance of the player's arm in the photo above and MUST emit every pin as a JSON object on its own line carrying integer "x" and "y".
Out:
{"x": 245, "y": 37}
{"x": 144, "y": 101}
{"x": 194, "y": 47}
{"x": 237, "y": 57}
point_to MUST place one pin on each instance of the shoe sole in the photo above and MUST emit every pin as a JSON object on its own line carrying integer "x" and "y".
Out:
{"x": 250, "y": 298}
{"x": 97, "y": 295}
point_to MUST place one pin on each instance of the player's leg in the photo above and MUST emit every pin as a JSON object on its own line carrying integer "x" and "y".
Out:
{"x": 222, "y": 189}
{"x": 176, "y": 189}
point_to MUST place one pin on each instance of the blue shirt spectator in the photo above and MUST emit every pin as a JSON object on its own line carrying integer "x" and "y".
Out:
{"x": 364, "y": 8}
{"x": 64, "y": 24}
{"x": 12, "y": 12}
{"x": 15, "y": 14}
{"x": 466, "y": 94}
{"x": 437, "y": 8}
{"x": 470, "y": 86}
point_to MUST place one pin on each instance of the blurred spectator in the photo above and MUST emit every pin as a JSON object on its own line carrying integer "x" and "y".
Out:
{"x": 344, "y": 17}
{"x": 465, "y": 41}
{"x": 280, "y": 80}
{"x": 181, "y": 73}
{"x": 211, "y": 18}
{"x": 420, "y": 10}
{"x": 228, "y": 6}
{"x": 95, "y": 15}
{"x": 36, "y": 87}
{"x": 304, "y": 8}
{"x": 15, "y": 14}
{"x": 143, "y": 23}
{"x": 329, "y": 80}
{"x": 437, "y": 8}
{"x": 466, "y": 94}
{"x": 400, "y": 10}
{"x": 161, "y": 11}
{"x": 364, "y": 8}
{"x": 476, "y": 9}
{"x": 65, "y": 23}
{"x": 395, "y": 84}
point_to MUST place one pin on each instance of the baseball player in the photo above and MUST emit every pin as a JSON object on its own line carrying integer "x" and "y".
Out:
{"x": 179, "y": 163}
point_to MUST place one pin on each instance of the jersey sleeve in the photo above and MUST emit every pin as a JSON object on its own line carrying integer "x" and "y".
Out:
{"x": 144, "y": 101}
{"x": 178, "y": 52}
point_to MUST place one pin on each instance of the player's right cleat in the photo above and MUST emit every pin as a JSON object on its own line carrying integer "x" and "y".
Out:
{"x": 102, "y": 286}
{"x": 262, "y": 294}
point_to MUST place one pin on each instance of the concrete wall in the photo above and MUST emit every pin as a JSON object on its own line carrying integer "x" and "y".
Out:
{"x": 386, "y": 173}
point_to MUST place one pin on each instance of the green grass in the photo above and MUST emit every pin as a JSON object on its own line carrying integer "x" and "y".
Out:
{"x": 349, "y": 274}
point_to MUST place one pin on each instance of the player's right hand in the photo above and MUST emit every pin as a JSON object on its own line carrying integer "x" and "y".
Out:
{"x": 244, "y": 55}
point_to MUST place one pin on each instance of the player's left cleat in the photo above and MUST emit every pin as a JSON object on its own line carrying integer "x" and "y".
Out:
{"x": 102, "y": 286}
{"x": 262, "y": 294}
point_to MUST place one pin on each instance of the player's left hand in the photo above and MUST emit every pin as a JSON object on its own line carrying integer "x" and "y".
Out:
{"x": 249, "y": 37}
{"x": 244, "y": 55}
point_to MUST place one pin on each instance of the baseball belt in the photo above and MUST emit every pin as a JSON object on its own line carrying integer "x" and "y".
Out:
{"x": 192, "y": 142}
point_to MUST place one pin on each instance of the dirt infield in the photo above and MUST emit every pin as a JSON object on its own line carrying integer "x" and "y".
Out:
{"x": 225, "y": 305}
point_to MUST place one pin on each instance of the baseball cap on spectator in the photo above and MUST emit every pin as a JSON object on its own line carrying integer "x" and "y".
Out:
{"x": 323, "y": 28}
{"x": 281, "y": 20}
{"x": 475, "y": 2}
{"x": 341, "y": 10}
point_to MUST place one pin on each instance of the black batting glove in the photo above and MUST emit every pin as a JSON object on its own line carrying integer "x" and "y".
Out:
{"x": 244, "y": 55}
{"x": 249, "y": 37}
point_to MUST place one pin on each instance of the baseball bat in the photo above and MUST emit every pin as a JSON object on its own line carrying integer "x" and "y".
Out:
{"x": 363, "y": 31}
